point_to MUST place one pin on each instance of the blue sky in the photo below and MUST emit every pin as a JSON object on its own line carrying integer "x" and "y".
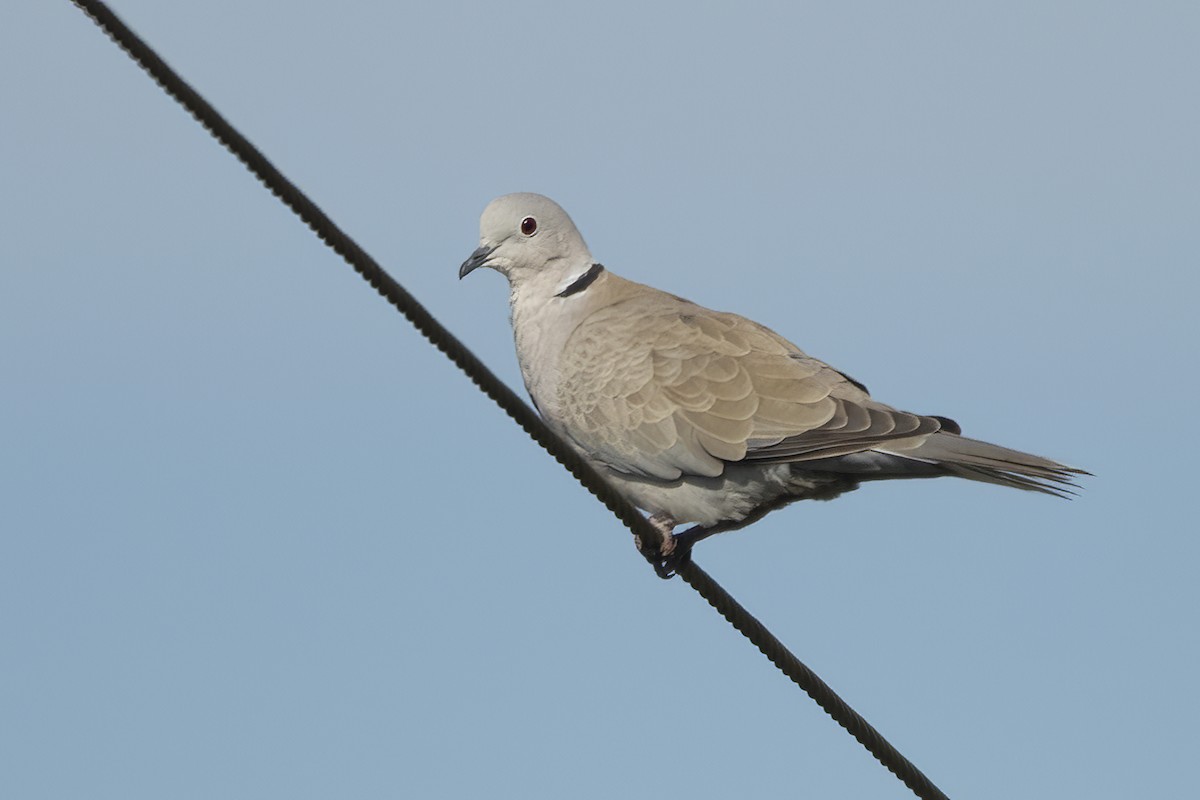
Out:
{"x": 258, "y": 539}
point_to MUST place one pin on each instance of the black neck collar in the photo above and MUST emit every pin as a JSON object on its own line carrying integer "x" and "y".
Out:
{"x": 583, "y": 281}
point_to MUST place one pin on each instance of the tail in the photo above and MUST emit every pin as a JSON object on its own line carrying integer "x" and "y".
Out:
{"x": 947, "y": 453}
{"x": 991, "y": 463}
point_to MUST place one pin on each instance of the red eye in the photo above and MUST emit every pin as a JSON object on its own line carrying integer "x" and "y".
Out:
{"x": 529, "y": 226}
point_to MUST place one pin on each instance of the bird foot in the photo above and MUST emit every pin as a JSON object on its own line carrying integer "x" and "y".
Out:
{"x": 666, "y": 566}
{"x": 676, "y": 550}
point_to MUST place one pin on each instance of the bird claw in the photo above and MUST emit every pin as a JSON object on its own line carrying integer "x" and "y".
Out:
{"x": 667, "y": 561}
{"x": 673, "y": 557}
{"x": 676, "y": 551}
{"x": 667, "y": 558}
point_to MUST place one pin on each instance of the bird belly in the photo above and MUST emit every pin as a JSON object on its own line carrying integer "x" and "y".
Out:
{"x": 744, "y": 492}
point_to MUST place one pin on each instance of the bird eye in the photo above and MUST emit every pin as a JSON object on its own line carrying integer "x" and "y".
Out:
{"x": 529, "y": 226}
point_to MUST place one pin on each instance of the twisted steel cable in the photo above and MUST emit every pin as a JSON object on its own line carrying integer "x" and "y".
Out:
{"x": 498, "y": 391}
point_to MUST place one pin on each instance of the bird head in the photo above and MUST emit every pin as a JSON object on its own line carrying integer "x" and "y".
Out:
{"x": 526, "y": 236}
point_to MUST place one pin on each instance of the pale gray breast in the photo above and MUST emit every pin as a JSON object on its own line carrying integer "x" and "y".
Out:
{"x": 542, "y": 325}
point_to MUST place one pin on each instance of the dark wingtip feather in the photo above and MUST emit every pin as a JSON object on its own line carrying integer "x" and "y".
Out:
{"x": 948, "y": 425}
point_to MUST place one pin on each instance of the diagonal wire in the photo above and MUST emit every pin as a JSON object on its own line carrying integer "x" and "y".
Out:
{"x": 497, "y": 390}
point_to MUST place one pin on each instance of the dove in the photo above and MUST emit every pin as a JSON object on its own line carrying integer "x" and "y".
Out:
{"x": 701, "y": 416}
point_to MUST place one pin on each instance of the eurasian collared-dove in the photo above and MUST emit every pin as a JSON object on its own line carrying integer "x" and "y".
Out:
{"x": 698, "y": 415}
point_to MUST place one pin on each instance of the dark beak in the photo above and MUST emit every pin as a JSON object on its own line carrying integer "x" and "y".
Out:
{"x": 478, "y": 259}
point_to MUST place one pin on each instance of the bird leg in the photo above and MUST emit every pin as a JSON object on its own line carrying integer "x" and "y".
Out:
{"x": 664, "y": 523}
{"x": 696, "y": 533}
{"x": 676, "y": 549}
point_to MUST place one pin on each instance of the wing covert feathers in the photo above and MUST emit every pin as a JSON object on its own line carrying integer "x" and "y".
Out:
{"x": 656, "y": 386}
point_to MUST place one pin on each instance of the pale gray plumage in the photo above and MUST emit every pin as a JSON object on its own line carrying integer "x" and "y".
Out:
{"x": 699, "y": 415}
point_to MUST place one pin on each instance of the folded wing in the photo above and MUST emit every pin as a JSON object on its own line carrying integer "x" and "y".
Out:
{"x": 660, "y": 387}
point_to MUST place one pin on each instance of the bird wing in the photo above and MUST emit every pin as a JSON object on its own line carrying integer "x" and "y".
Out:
{"x": 657, "y": 386}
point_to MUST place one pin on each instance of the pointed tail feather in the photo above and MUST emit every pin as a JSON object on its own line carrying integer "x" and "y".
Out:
{"x": 991, "y": 463}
